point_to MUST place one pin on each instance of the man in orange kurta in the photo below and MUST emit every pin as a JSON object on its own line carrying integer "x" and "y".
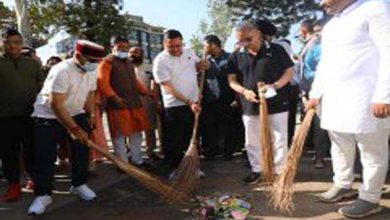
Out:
{"x": 126, "y": 117}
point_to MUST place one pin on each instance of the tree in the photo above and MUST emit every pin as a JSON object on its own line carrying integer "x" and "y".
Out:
{"x": 96, "y": 20}
{"x": 220, "y": 25}
{"x": 23, "y": 20}
{"x": 283, "y": 13}
{"x": 7, "y": 17}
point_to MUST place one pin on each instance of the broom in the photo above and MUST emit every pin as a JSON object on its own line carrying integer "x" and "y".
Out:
{"x": 150, "y": 181}
{"x": 267, "y": 157}
{"x": 282, "y": 189}
{"x": 186, "y": 174}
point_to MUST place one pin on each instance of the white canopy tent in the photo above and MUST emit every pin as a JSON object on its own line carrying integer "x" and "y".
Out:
{"x": 58, "y": 45}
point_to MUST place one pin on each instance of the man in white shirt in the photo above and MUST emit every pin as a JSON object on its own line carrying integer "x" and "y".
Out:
{"x": 61, "y": 109}
{"x": 176, "y": 70}
{"x": 353, "y": 84}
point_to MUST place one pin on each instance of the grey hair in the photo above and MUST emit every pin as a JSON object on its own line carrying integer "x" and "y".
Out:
{"x": 245, "y": 25}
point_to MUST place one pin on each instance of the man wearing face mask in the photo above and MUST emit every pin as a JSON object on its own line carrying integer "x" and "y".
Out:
{"x": 65, "y": 107}
{"x": 260, "y": 61}
{"x": 353, "y": 83}
{"x": 117, "y": 82}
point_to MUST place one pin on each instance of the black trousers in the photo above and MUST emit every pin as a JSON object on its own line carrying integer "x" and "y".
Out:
{"x": 292, "y": 112}
{"x": 217, "y": 129}
{"x": 16, "y": 133}
{"x": 47, "y": 136}
{"x": 179, "y": 122}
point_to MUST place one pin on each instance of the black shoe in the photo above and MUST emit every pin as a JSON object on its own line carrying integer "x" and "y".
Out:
{"x": 252, "y": 179}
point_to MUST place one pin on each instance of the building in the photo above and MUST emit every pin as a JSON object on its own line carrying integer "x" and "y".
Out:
{"x": 146, "y": 36}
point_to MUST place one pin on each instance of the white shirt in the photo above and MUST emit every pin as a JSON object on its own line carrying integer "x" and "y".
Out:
{"x": 65, "y": 78}
{"x": 181, "y": 72}
{"x": 143, "y": 76}
{"x": 354, "y": 70}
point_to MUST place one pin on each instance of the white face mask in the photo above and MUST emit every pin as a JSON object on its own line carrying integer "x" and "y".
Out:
{"x": 121, "y": 54}
{"x": 90, "y": 67}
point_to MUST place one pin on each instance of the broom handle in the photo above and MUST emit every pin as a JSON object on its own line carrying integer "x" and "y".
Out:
{"x": 118, "y": 162}
{"x": 197, "y": 115}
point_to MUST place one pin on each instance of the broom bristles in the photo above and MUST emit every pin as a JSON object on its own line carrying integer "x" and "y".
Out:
{"x": 282, "y": 189}
{"x": 186, "y": 177}
{"x": 267, "y": 158}
{"x": 150, "y": 181}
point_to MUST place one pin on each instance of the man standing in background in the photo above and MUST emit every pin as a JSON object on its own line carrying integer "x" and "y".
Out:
{"x": 146, "y": 78}
{"x": 218, "y": 128}
{"x": 117, "y": 83}
{"x": 21, "y": 78}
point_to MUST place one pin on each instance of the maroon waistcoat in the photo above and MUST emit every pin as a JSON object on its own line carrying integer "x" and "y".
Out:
{"x": 123, "y": 82}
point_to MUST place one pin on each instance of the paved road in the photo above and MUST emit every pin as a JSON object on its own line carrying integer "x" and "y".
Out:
{"x": 127, "y": 199}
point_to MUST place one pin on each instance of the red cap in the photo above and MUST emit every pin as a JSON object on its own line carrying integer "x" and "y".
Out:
{"x": 90, "y": 49}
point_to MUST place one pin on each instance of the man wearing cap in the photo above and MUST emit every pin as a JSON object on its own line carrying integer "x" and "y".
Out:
{"x": 353, "y": 84}
{"x": 65, "y": 106}
{"x": 20, "y": 78}
{"x": 260, "y": 61}
{"x": 126, "y": 116}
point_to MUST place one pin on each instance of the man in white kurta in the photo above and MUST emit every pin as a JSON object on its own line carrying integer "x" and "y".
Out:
{"x": 353, "y": 84}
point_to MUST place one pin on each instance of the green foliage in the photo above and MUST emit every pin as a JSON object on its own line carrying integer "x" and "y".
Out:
{"x": 283, "y": 13}
{"x": 220, "y": 24}
{"x": 96, "y": 20}
{"x": 7, "y": 17}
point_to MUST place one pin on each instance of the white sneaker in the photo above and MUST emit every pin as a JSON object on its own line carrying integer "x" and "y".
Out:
{"x": 38, "y": 206}
{"x": 83, "y": 191}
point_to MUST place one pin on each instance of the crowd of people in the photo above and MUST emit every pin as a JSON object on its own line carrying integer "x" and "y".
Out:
{"x": 50, "y": 113}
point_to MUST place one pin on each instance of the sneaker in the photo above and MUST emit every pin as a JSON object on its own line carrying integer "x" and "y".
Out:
{"x": 38, "y": 206}
{"x": 360, "y": 209}
{"x": 252, "y": 179}
{"x": 83, "y": 191}
{"x": 13, "y": 192}
{"x": 336, "y": 194}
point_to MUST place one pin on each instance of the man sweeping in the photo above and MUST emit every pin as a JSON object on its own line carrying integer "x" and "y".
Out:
{"x": 353, "y": 85}
{"x": 65, "y": 107}
{"x": 176, "y": 70}
{"x": 260, "y": 61}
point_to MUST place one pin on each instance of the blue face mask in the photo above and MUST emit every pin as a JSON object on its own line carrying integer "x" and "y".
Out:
{"x": 90, "y": 67}
{"x": 121, "y": 54}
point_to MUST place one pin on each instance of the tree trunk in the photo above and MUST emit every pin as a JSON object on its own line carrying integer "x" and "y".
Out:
{"x": 22, "y": 15}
